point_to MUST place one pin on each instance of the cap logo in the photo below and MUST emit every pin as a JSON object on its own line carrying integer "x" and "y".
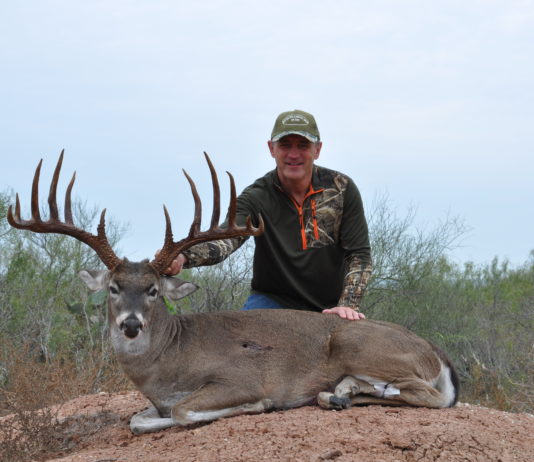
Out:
{"x": 295, "y": 119}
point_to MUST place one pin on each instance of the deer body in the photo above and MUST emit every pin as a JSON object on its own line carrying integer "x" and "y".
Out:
{"x": 200, "y": 367}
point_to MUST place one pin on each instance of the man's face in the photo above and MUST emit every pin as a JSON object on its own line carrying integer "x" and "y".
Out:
{"x": 294, "y": 156}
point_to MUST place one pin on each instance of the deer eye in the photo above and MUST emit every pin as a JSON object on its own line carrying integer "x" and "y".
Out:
{"x": 153, "y": 292}
{"x": 113, "y": 290}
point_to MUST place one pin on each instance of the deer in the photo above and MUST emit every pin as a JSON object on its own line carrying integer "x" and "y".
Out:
{"x": 199, "y": 367}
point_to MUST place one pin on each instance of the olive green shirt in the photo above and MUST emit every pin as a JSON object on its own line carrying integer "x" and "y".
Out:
{"x": 312, "y": 257}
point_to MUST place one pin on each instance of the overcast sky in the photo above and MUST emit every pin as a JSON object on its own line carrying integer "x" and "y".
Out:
{"x": 429, "y": 102}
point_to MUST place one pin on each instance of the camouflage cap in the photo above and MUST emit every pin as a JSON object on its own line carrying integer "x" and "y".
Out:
{"x": 295, "y": 122}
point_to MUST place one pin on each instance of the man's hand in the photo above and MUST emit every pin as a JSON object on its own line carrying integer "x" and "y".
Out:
{"x": 176, "y": 265}
{"x": 345, "y": 312}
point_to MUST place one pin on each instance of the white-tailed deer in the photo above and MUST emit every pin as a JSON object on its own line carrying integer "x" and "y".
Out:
{"x": 200, "y": 367}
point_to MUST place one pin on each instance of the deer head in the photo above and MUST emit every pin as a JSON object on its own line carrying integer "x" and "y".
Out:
{"x": 135, "y": 289}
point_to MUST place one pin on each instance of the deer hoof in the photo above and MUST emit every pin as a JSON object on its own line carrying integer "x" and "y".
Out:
{"x": 339, "y": 403}
{"x": 329, "y": 401}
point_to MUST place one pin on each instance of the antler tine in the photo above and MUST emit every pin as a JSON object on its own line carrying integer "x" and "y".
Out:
{"x": 171, "y": 249}
{"x": 68, "y": 208}
{"x": 35, "y": 193}
{"x": 195, "y": 226}
{"x": 52, "y": 203}
{"x": 232, "y": 213}
{"x": 10, "y": 218}
{"x": 216, "y": 213}
{"x": 168, "y": 242}
{"x": 168, "y": 226}
{"x": 232, "y": 208}
{"x": 98, "y": 243}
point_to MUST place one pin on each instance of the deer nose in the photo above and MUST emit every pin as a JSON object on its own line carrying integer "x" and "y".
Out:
{"x": 131, "y": 326}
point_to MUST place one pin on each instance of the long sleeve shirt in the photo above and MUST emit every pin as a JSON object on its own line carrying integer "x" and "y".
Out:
{"x": 311, "y": 256}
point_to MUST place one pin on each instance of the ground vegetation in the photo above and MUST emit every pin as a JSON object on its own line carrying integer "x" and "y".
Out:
{"x": 53, "y": 332}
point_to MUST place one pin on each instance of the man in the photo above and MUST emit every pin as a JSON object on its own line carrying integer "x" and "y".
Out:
{"x": 314, "y": 253}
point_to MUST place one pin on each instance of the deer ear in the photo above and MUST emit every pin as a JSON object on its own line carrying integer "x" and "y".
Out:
{"x": 95, "y": 279}
{"x": 176, "y": 288}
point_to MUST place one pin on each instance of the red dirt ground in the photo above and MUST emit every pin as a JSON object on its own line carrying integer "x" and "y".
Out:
{"x": 98, "y": 431}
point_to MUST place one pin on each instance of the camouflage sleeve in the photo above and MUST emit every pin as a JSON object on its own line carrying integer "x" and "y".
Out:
{"x": 355, "y": 282}
{"x": 211, "y": 253}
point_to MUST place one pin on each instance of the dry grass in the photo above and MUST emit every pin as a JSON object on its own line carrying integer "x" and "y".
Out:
{"x": 28, "y": 435}
{"x": 488, "y": 388}
{"x": 31, "y": 428}
{"x": 484, "y": 388}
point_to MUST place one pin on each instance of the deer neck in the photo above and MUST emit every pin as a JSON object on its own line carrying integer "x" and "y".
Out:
{"x": 161, "y": 332}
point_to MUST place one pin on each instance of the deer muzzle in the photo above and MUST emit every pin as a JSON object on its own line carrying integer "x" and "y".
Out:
{"x": 131, "y": 326}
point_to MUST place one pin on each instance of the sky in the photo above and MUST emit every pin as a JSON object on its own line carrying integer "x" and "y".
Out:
{"x": 428, "y": 103}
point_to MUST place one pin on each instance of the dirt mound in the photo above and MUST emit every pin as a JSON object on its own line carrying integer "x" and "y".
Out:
{"x": 96, "y": 429}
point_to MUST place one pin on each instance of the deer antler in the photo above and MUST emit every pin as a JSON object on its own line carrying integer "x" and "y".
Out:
{"x": 98, "y": 243}
{"x": 171, "y": 249}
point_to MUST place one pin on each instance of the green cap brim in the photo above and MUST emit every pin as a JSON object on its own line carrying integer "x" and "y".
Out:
{"x": 306, "y": 135}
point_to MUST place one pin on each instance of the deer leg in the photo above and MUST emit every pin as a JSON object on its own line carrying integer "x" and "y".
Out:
{"x": 214, "y": 401}
{"x": 149, "y": 421}
{"x": 208, "y": 403}
{"x": 411, "y": 392}
{"x": 346, "y": 389}
{"x": 360, "y": 390}
{"x": 352, "y": 386}
{"x": 408, "y": 392}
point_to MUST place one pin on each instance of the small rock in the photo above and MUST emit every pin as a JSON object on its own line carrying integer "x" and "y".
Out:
{"x": 330, "y": 454}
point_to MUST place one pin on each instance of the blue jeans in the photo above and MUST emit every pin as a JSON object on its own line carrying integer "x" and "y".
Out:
{"x": 258, "y": 301}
